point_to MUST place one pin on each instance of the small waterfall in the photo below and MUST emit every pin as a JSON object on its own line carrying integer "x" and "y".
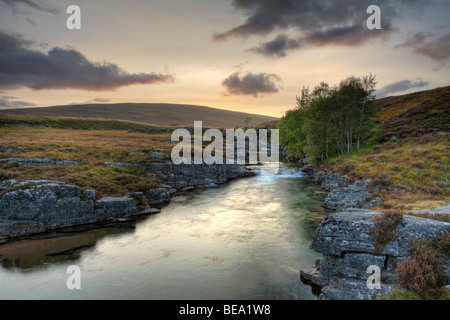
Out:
{"x": 281, "y": 171}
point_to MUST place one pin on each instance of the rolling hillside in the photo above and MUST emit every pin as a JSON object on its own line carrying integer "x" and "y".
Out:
{"x": 149, "y": 113}
{"x": 408, "y": 156}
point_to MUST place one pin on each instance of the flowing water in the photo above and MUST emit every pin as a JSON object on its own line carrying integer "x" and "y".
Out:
{"x": 246, "y": 239}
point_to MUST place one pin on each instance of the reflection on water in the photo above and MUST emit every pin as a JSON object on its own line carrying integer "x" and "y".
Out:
{"x": 42, "y": 252}
{"x": 247, "y": 239}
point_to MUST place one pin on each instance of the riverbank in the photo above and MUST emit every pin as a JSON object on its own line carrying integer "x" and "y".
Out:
{"x": 347, "y": 241}
{"x": 37, "y": 206}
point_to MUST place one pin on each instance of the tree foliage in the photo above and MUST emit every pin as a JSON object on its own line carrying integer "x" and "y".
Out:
{"x": 330, "y": 120}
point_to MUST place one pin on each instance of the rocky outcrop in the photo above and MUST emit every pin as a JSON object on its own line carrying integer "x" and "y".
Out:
{"x": 31, "y": 207}
{"x": 344, "y": 239}
{"x": 186, "y": 175}
{"x": 342, "y": 194}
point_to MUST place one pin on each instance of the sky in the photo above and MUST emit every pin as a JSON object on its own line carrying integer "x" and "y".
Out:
{"x": 243, "y": 55}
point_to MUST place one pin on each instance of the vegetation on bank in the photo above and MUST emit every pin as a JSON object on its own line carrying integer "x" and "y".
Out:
{"x": 421, "y": 276}
{"x": 386, "y": 225}
{"x": 75, "y": 140}
{"x": 405, "y": 146}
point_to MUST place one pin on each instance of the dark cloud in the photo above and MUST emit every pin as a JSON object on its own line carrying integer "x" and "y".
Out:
{"x": 400, "y": 86}
{"x": 277, "y": 47}
{"x": 21, "y": 66}
{"x": 314, "y": 22}
{"x": 436, "y": 49}
{"x": 349, "y": 36}
{"x": 251, "y": 84}
{"x": 7, "y": 102}
{"x": 36, "y": 5}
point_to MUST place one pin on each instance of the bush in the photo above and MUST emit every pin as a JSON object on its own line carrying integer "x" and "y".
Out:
{"x": 443, "y": 244}
{"x": 385, "y": 228}
{"x": 378, "y": 148}
{"x": 379, "y": 182}
{"x": 422, "y": 273}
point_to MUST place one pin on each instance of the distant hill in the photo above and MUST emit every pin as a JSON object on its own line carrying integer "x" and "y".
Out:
{"x": 151, "y": 113}
{"x": 415, "y": 114}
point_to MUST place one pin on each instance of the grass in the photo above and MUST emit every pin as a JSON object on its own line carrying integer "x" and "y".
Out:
{"x": 15, "y": 120}
{"x": 107, "y": 181}
{"x": 408, "y": 154}
{"x": 399, "y": 294}
{"x": 85, "y": 146}
{"x": 407, "y": 175}
{"x": 73, "y": 139}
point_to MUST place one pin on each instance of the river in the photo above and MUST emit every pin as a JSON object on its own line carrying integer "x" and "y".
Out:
{"x": 244, "y": 240}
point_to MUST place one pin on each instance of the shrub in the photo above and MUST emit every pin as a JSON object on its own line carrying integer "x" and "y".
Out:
{"x": 385, "y": 228}
{"x": 426, "y": 139}
{"x": 379, "y": 182}
{"x": 443, "y": 244}
{"x": 378, "y": 148}
{"x": 422, "y": 273}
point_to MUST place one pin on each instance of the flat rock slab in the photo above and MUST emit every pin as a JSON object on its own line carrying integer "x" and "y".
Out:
{"x": 350, "y": 231}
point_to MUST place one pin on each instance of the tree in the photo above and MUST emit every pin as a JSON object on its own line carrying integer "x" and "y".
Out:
{"x": 330, "y": 120}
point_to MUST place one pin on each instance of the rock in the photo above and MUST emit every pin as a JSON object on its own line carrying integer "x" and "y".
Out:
{"x": 157, "y": 197}
{"x": 156, "y": 154}
{"x": 350, "y": 289}
{"x": 40, "y": 162}
{"x": 169, "y": 188}
{"x": 441, "y": 210}
{"x": 309, "y": 169}
{"x": 67, "y": 163}
{"x": 120, "y": 164}
{"x": 345, "y": 240}
{"x": 343, "y": 195}
{"x": 346, "y": 231}
{"x": 88, "y": 194}
{"x": 44, "y": 201}
{"x": 18, "y": 228}
{"x": 349, "y": 231}
{"x": 149, "y": 210}
{"x": 414, "y": 228}
{"x": 188, "y": 189}
{"x": 210, "y": 185}
{"x": 313, "y": 277}
{"x": 116, "y": 207}
{"x": 186, "y": 175}
{"x": 373, "y": 203}
{"x": 352, "y": 196}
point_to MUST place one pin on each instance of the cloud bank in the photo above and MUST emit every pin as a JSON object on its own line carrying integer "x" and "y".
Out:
{"x": 36, "y": 5}
{"x": 7, "y": 102}
{"x": 436, "y": 49}
{"x": 314, "y": 23}
{"x": 400, "y": 86}
{"x": 251, "y": 84}
{"x": 23, "y": 66}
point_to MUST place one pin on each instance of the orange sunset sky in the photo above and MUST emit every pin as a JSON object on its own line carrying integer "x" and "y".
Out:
{"x": 244, "y": 55}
